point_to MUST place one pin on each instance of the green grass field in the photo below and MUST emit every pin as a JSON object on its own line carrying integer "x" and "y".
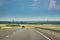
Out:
{"x": 30, "y": 25}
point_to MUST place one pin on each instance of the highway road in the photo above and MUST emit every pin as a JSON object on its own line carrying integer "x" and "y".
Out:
{"x": 23, "y": 34}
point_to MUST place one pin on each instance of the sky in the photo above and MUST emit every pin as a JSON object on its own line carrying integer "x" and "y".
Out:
{"x": 29, "y": 10}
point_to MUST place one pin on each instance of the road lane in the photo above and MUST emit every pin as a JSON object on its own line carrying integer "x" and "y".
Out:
{"x": 35, "y": 35}
{"x": 51, "y": 34}
{"x": 43, "y": 35}
{"x": 9, "y": 31}
{"x": 25, "y": 34}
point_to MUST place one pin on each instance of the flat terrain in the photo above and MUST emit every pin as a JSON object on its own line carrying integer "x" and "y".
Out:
{"x": 29, "y": 32}
{"x": 35, "y": 25}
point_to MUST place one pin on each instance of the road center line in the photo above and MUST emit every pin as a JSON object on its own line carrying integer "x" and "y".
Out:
{"x": 43, "y": 35}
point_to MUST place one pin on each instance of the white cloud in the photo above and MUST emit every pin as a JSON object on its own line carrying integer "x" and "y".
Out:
{"x": 35, "y": 1}
{"x": 58, "y": 7}
{"x": 35, "y": 4}
{"x": 52, "y": 4}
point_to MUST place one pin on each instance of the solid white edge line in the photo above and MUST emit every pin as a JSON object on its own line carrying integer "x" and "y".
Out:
{"x": 43, "y": 35}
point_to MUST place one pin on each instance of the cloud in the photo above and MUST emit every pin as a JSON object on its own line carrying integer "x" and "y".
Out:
{"x": 52, "y": 4}
{"x": 39, "y": 4}
{"x": 36, "y": 1}
{"x": 35, "y": 4}
{"x": 58, "y": 7}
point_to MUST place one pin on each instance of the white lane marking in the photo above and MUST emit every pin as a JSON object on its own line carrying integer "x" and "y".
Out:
{"x": 14, "y": 32}
{"x": 7, "y": 36}
{"x": 43, "y": 35}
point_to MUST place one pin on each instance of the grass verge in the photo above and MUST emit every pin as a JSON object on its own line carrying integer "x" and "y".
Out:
{"x": 2, "y": 28}
{"x": 49, "y": 29}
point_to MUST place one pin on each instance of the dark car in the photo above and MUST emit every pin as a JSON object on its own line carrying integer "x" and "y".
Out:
{"x": 23, "y": 26}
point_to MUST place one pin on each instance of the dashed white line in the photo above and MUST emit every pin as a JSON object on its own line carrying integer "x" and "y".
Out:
{"x": 7, "y": 36}
{"x": 43, "y": 35}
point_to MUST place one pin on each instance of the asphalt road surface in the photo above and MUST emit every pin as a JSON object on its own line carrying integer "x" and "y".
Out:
{"x": 22, "y": 34}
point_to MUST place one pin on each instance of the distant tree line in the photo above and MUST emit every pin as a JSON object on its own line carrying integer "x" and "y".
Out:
{"x": 30, "y": 22}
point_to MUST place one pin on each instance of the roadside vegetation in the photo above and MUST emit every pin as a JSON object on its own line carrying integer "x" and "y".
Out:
{"x": 1, "y": 28}
{"x": 48, "y": 26}
{"x": 12, "y": 25}
{"x": 51, "y": 27}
